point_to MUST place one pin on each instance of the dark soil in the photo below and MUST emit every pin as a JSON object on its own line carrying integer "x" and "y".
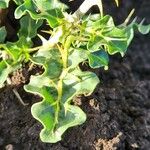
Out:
{"x": 118, "y": 112}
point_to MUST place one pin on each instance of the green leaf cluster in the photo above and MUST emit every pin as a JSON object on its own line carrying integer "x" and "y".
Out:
{"x": 90, "y": 39}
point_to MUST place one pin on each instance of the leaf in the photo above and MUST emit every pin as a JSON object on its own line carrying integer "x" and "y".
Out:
{"x": 117, "y": 46}
{"x": 105, "y": 35}
{"x": 18, "y": 50}
{"x": 3, "y": 34}
{"x": 144, "y": 29}
{"x": 53, "y": 4}
{"x": 133, "y": 26}
{"x": 130, "y": 35}
{"x": 98, "y": 59}
{"x": 45, "y": 88}
{"x": 4, "y": 3}
{"x": 76, "y": 56}
{"x": 54, "y": 17}
{"x": 29, "y": 27}
{"x": 80, "y": 82}
{"x": 39, "y": 10}
{"x": 97, "y": 23}
{"x": 15, "y": 53}
{"x": 116, "y": 41}
{"x": 5, "y": 70}
{"x": 95, "y": 43}
{"x": 43, "y": 113}
{"x": 74, "y": 83}
{"x": 74, "y": 116}
{"x": 104, "y": 23}
{"x": 18, "y": 2}
{"x": 51, "y": 62}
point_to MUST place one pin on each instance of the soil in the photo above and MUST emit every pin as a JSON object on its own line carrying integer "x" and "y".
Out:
{"x": 118, "y": 112}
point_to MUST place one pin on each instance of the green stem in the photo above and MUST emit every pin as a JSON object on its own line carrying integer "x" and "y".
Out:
{"x": 64, "y": 54}
{"x": 59, "y": 89}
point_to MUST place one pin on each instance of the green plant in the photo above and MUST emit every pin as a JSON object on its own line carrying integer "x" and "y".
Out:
{"x": 74, "y": 39}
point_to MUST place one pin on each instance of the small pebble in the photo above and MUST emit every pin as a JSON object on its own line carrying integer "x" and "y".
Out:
{"x": 9, "y": 147}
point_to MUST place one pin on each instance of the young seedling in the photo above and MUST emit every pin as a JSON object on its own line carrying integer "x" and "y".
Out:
{"x": 74, "y": 38}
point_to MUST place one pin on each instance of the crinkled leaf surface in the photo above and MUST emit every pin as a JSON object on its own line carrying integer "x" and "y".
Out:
{"x": 116, "y": 41}
{"x": 98, "y": 59}
{"x": 81, "y": 81}
{"x": 43, "y": 9}
{"x": 57, "y": 116}
{"x": 29, "y": 27}
{"x": 17, "y": 52}
{"x": 105, "y": 23}
{"x": 74, "y": 83}
{"x": 104, "y": 33}
{"x": 51, "y": 62}
{"x": 44, "y": 112}
{"x": 77, "y": 56}
{"x": 95, "y": 43}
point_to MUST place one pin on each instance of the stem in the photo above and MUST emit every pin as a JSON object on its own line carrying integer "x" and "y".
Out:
{"x": 17, "y": 94}
{"x": 64, "y": 55}
{"x": 19, "y": 97}
{"x": 60, "y": 92}
{"x": 59, "y": 86}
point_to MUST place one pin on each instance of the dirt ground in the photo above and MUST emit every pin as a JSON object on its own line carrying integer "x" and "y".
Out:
{"x": 118, "y": 112}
